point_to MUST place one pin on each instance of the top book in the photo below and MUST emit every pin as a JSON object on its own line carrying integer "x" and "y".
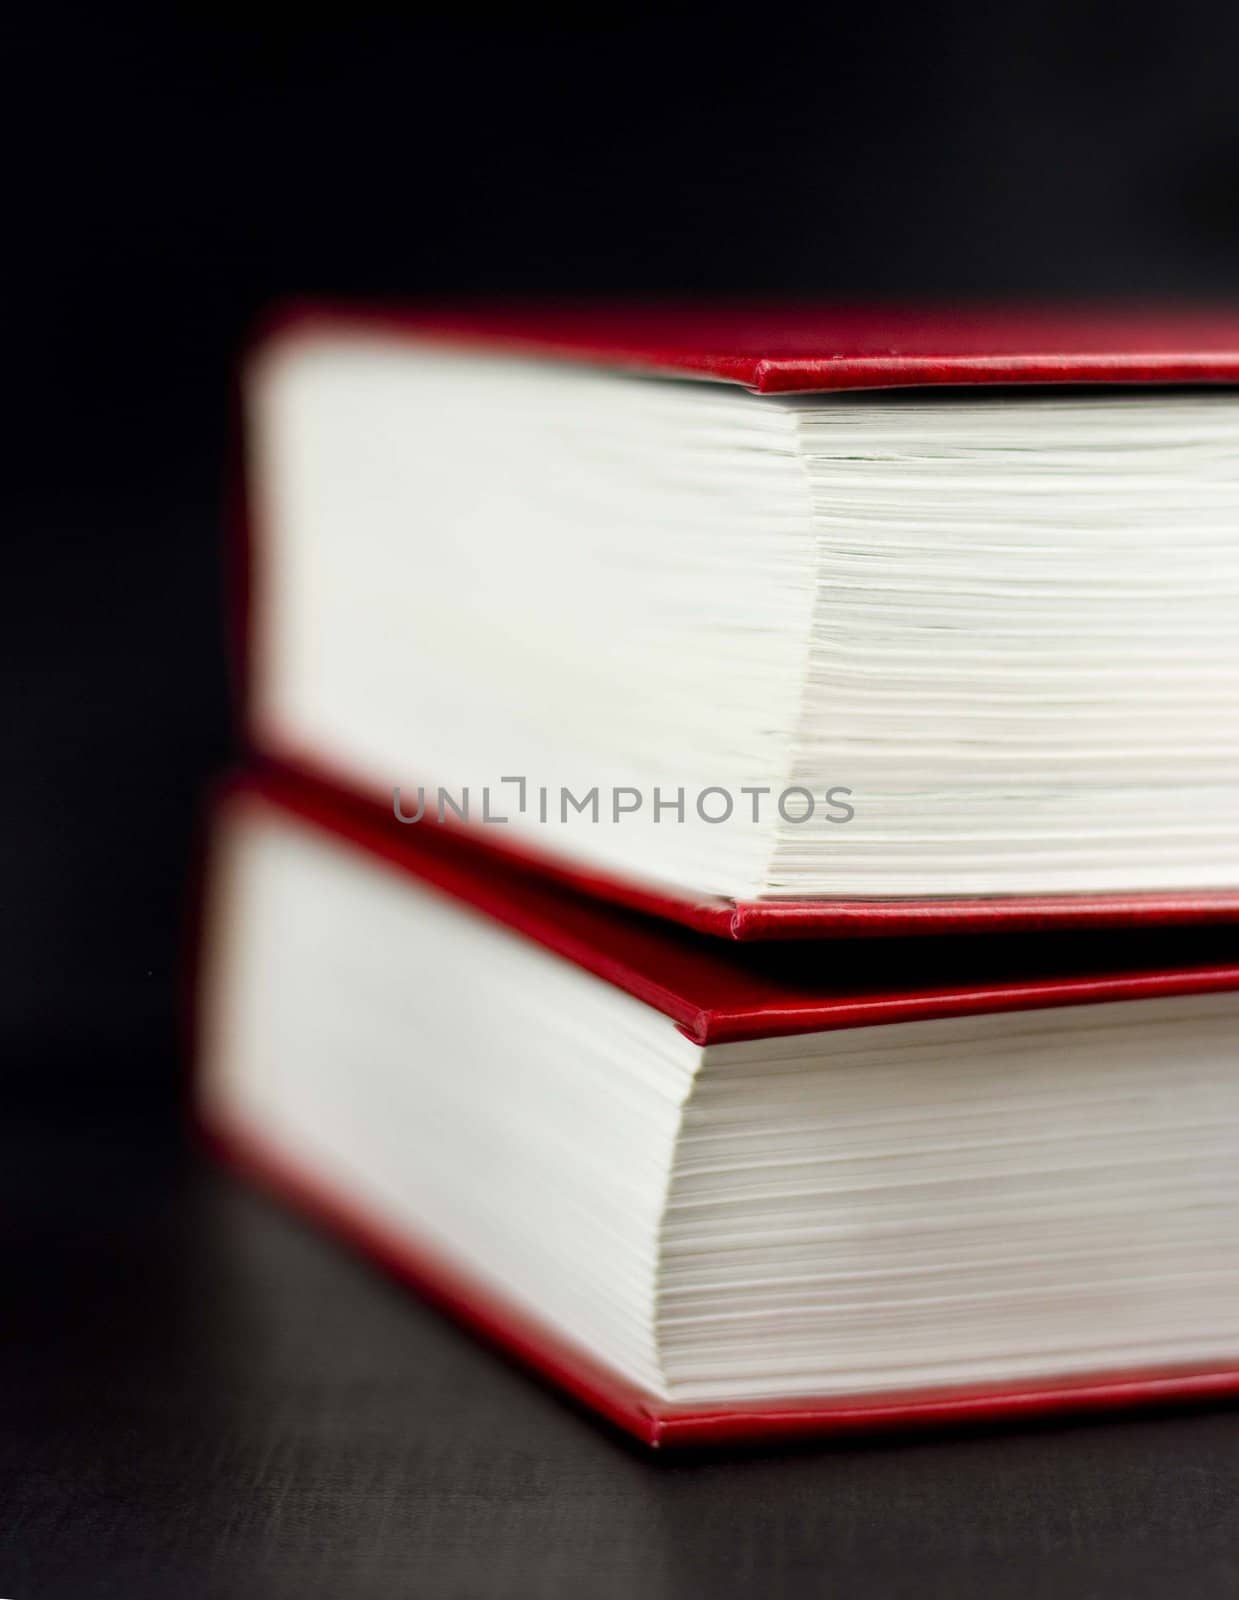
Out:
{"x": 901, "y": 621}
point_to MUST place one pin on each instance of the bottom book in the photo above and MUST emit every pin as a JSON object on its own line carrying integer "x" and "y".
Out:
{"x": 721, "y": 1192}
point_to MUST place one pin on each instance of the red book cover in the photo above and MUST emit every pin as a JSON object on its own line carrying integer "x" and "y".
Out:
{"x": 791, "y": 349}
{"x": 774, "y": 349}
{"x": 714, "y": 993}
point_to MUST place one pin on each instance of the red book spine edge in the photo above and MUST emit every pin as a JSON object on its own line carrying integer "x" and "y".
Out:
{"x": 646, "y": 1417}
{"x": 705, "y": 1022}
{"x": 784, "y": 919}
{"x": 523, "y": 331}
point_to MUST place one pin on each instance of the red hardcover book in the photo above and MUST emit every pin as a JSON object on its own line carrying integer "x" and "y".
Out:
{"x": 713, "y": 1194}
{"x": 937, "y": 607}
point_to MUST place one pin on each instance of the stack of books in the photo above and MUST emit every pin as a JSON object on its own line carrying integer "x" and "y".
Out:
{"x": 736, "y": 892}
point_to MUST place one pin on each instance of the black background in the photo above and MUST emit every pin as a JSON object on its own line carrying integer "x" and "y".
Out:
{"x": 164, "y": 180}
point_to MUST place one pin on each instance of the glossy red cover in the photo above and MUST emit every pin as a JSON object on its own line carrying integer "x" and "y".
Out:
{"x": 713, "y": 992}
{"x": 772, "y": 349}
{"x": 716, "y": 992}
{"x": 782, "y": 348}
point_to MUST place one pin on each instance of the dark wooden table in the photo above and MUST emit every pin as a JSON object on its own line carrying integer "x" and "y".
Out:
{"x": 202, "y": 1397}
